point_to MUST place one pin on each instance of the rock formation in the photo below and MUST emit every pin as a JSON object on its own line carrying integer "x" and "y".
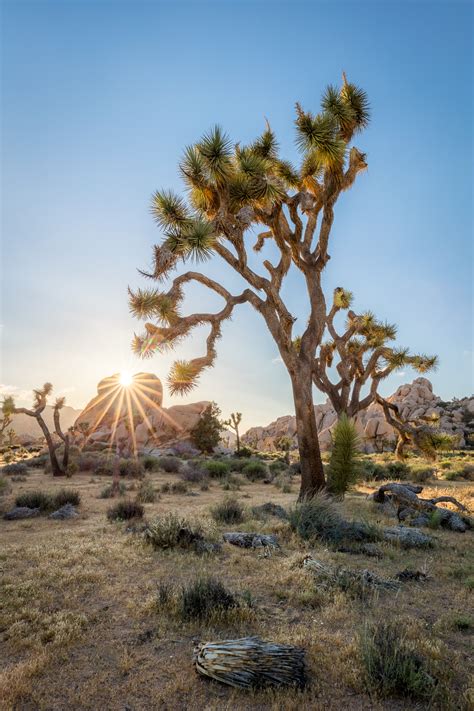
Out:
{"x": 133, "y": 415}
{"x": 415, "y": 400}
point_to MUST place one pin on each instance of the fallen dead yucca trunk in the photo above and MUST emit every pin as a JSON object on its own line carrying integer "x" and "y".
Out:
{"x": 251, "y": 663}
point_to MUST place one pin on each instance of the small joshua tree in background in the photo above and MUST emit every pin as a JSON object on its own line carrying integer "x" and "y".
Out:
{"x": 40, "y": 401}
{"x": 233, "y": 422}
{"x": 343, "y": 464}
{"x": 206, "y": 434}
{"x": 284, "y": 444}
{"x": 5, "y": 421}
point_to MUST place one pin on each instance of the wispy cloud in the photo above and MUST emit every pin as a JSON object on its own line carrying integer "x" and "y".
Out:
{"x": 277, "y": 360}
{"x": 17, "y": 393}
{"x": 401, "y": 374}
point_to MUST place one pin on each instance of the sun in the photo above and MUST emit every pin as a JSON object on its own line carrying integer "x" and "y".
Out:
{"x": 125, "y": 379}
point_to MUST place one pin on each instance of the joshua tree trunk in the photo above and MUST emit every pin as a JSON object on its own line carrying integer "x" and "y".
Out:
{"x": 55, "y": 468}
{"x": 312, "y": 472}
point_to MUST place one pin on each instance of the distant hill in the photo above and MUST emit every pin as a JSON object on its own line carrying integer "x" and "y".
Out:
{"x": 25, "y": 425}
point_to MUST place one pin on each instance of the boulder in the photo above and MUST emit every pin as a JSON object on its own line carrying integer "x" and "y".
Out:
{"x": 66, "y": 511}
{"x": 20, "y": 512}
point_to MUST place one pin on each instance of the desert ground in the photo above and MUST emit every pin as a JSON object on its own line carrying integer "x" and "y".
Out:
{"x": 83, "y": 624}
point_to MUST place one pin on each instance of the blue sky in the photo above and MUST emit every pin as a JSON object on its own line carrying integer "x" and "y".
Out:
{"x": 99, "y": 99}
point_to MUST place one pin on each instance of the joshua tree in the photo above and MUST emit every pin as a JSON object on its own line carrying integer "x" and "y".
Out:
{"x": 233, "y": 422}
{"x": 40, "y": 400}
{"x": 5, "y": 421}
{"x": 361, "y": 356}
{"x": 231, "y": 190}
{"x": 283, "y": 444}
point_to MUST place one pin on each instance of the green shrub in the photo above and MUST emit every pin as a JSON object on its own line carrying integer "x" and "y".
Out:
{"x": 17, "y": 469}
{"x": 397, "y": 470}
{"x": 277, "y": 466}
{"x": 170, "y": 465}
{"x": 150, "y": 464}
{"x": 206, "y": 433}
{"x": 230, "y": 510}
{"x": 462, "y": 622}
{"x": 255, "y": 470}
{"x": 205, "y": 597}
{"x": 370, "y": 470}
{"x": 215, "y": 469}
{"x": 244, "y": 453}
{"x": 343, "y": 465}
{"x": 66, "y": 496}
{"x": 174, "y": 531}
{"x": 125, "y": 510}
{"x": 445, "y": 465}
{"x": 236, "y": 464}
{"x": 35, "y": 500}
{"x": 146, "y": 493}
{"x": 392, "y": 665}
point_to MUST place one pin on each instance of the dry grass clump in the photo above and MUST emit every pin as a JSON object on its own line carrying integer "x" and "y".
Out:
{"x": 4, "y": 485}
{"x": 229, "y": 510}
{"x": 396, "y": 665}
{"x": 320, "y": 518}
{"x": 125, "y": 510}
{"x": 108, "y": 492}
{"x": 174, "y": 531}
{"x": 146, "y": 493}
{"x": 204, "y": 599}
{"x": 48, "y": 502}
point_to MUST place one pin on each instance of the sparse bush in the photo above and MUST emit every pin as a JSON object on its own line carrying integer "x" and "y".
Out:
{"x": 38, "y": 461}
{"x": 179, "y": 487}
{"x": 445, "y": 465}
{"x": 462, "y": 622}
{"x": 66, "y": 496}
{"x": 87, "y": 462}
{"x": 255, "y": 470}
{"x": 277, "y": 466}
{"x": 393, "y": 666}
{"x": 232, "y": 483}
{"x": 104, "y": 467}
{"x": 35, "y": 500}
{"x": 132, "y": 468}
{"x": 150, "y": 463}
{"x": 109, "y": 491}
{"x": 170, "y": 465}
{"x": 174, "y": 531}
{"x": 229, "y": 510}
{"x": 283, "y": 482}
{"x": 146, "y": 493}
{"x": 215, "y": 469}
{"x": 17, "y": 469}
{"x": 343, "y": 469}
{"x": 193, "y": 475}
{"x": 420, "y": 474}
{"x": 125, "y": 510}
{"x": 4, "y": 485}
{"x": 205, "y": 597}
{"x": 165, "y": 488}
